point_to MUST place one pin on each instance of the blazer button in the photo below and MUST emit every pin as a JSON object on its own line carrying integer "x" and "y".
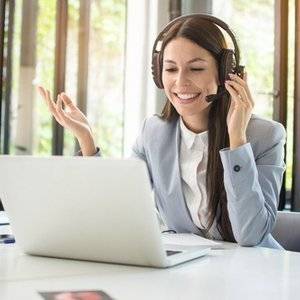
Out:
{"x": 236, "y": 168}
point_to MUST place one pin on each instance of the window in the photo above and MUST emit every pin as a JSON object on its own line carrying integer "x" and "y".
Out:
{"x": 254, "y": 25}
{"x": 105, "y": 73}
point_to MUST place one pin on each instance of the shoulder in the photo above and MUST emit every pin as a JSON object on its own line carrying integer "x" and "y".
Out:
{"x": 155, "y": 124}
{"x": 155, "y": 121}
{"x": 158, "y": 132}
{"x": 260, "y": 128}
{"x": 264, "y": 133}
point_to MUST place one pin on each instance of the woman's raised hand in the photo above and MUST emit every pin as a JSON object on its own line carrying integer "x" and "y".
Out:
{"x": 240, "y": 110}
{"x": 70, "y": 118}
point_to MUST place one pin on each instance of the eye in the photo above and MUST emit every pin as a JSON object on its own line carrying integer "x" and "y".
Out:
{"x": 170, "y": 70}
{"x": 197, "y": 69}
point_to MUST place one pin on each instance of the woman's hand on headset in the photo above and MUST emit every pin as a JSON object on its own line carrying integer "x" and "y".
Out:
{"x": 240, "y": 110}
{"x": 71, "y": 118}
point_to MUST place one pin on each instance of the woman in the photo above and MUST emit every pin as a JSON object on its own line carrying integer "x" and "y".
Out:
{"x": 215, "y": 168}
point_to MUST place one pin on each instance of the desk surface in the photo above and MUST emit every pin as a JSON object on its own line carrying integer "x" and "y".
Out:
{"x": 234, "y": 273}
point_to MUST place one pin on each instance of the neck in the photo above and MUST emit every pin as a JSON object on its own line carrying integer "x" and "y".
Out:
{"x": 197, "y": 123}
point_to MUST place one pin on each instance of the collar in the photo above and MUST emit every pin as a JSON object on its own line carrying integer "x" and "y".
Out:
{"x": 190, "y": 138}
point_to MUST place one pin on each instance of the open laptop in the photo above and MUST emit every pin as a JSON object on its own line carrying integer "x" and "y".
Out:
{"x": 86, "y": 208}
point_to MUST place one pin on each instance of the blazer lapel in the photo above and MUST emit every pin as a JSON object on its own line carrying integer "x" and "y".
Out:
{"x": 177, "y": 206}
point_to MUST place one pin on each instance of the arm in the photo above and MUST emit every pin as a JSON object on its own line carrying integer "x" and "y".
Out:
{"x": 138, "y": 149}
{"x": 72, "y": 119}
{"x": 253, "y": 188}
{"x": 97, "y": 153}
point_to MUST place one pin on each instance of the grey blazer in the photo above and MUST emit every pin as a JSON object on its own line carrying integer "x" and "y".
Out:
{"x": 252, "y": 178}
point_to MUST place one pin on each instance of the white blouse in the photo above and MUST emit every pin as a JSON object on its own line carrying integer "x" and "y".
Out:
{"x": 193, "y": 164}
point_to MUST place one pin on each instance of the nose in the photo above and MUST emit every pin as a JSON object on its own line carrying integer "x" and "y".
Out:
{"x": 182, "y": 78}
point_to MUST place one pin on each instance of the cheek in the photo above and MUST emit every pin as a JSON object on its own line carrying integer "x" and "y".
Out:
{"x": 210, "y": 83}
{"x": 212, "y": 87}
{"x": 165, "y": 80}
{"x": 167, "y": 83}
{"x": 210, "y": 79}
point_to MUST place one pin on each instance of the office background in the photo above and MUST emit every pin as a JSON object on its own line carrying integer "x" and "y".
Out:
{"x": 99, "y": 52}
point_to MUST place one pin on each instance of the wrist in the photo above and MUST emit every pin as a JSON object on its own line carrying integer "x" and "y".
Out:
{"x": 87, "y": 145}
{"x": 236, "y": 142}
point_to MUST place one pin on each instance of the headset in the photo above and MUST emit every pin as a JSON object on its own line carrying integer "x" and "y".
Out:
{"x": 228, "y": 58}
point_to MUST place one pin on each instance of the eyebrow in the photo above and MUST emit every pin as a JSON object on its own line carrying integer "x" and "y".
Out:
{"x": 190, "y": 61}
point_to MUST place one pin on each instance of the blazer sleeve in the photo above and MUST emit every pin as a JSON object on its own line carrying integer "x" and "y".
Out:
{"x": 253, "y": 186}
{"x": 138, "y": 149}
{"x": 98, "y": 152}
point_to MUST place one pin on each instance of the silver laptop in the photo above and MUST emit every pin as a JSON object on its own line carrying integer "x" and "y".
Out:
{"x": 86, "y": 208}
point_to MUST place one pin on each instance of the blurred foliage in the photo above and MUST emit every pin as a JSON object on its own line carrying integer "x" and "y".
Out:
{"x": 290, "y": 119}
{"x": 105, "y": 82}
{"x": 254, "y": 28}
{"x": 252, "y": 21}
{"x": 107, "y": 44}
{"x": 45, "y": 47}
{"x": 253, "y": 24}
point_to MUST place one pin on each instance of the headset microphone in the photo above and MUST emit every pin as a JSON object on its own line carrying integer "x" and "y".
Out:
{"x": 213, "y": 97}
{"x": 221, "y": 88}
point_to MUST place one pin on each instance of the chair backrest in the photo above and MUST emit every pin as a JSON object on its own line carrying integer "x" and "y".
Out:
{"x": 287, "y": 230}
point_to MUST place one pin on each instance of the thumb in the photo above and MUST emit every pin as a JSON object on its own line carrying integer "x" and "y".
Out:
{"x": 67, "y": 101}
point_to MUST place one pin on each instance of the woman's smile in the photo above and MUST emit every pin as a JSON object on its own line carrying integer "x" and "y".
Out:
{"x": 189, "y": 74}
{"x": 187, "y": 98}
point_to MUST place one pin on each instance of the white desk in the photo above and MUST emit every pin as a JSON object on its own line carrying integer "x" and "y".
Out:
{"x": 237, "y": 273}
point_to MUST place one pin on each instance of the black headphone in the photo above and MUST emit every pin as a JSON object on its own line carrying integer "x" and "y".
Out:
{"x": 228, "y": 61}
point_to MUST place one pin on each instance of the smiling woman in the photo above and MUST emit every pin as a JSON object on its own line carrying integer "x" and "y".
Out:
{"x": 216, "y": 169}
{"x": 230, "y": 169}
{"x": 192, "y": 63}
{"x": 189, "y": 75}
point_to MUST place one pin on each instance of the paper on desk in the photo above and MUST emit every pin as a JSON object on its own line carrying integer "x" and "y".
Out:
{"x": 4, "y": 229}
{"x": 187, "y": 239}
{"x": 3, "y": 217}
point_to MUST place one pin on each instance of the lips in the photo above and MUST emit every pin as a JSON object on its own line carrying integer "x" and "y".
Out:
{"x": 185, "y": 98}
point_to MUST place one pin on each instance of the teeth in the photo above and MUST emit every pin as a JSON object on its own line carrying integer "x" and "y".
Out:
{"x": 187, "y": 96}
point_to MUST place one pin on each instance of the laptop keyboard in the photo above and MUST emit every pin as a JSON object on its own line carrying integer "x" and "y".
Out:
{"x": 171, "y": 252}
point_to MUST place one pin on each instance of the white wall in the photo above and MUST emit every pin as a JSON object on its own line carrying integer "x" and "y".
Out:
{"x": 145, "y": 19}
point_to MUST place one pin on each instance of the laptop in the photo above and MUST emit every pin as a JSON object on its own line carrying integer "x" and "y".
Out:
{"x": 87, "y": 208}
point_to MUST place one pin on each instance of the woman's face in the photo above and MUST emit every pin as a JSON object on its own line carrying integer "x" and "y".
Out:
{"x": 189, "y": 75}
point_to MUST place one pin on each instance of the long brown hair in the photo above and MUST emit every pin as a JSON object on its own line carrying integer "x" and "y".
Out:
{"x": 208, "y": 36}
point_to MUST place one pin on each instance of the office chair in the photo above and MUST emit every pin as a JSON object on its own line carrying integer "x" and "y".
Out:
{"x": 287, "y": 230}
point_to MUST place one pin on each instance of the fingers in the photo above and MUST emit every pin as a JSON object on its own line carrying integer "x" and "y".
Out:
{"x": 60, "y": 111}
{"x": 244, "y": 83}
{"x": 42, "y": 91}
{"x": 50, "y": 103}
{"x": 67, "y": 101}
{"x": 236, "y": 99}
{"x": 47, "y": 97}
{"x": 234, "y": 95}
{"x": 65, "y": 119}
{"x": 241, "y": 86}
{"x": 239, "y": 90}
{"x": 238, "y": 79}
{"x": 57, "y": 109}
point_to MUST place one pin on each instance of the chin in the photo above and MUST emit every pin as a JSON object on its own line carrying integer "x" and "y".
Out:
{"x": 191, "y": 111}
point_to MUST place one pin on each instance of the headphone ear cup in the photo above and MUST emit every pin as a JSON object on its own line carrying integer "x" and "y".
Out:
{"x": 227, "y": 65}
{"x": 156, "y": 71}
